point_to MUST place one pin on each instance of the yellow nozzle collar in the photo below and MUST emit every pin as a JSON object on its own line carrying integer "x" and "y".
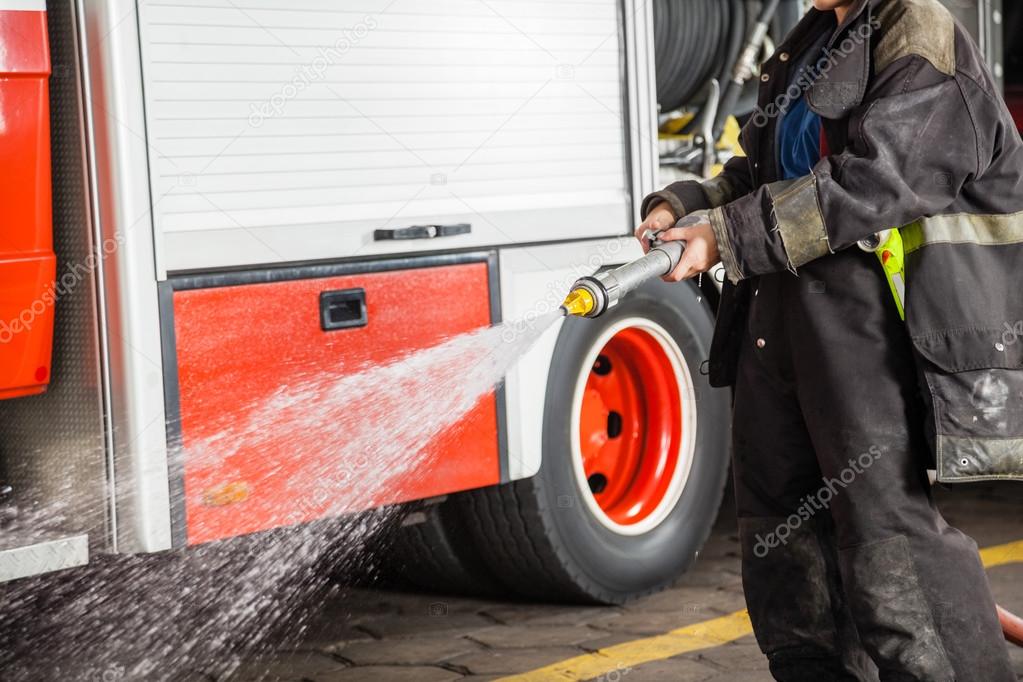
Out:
{"x": 579, "y": 302}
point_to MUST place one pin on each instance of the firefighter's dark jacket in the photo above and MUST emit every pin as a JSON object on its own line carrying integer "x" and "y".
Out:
{"x": 920, "y": 138}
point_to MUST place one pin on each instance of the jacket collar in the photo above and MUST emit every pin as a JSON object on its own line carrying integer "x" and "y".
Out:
{"x": 845, "y": 68}
{"x": 854, "y": 13}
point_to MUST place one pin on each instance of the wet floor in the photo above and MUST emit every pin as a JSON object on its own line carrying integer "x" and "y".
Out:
{"x": 688, "y": 633}
{"x": 369, "y": 635}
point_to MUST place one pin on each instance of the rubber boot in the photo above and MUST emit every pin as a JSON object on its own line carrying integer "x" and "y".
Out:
{"x": 918, "y": 619}
{"x": 797, "y": 604}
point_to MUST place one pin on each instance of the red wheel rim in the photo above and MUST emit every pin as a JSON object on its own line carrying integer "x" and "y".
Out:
{"x": 631, "y": 426}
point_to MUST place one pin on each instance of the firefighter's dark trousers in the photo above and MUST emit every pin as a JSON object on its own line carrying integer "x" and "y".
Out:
{"x": 849, "y": 570}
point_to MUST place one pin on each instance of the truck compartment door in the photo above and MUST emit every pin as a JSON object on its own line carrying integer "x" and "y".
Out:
{"x": 267, "y": 429}
{"x": 27, "y": 261}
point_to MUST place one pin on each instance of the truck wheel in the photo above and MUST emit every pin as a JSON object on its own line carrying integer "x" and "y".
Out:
{"x": 635, "y": 458}
{"x": 437, "y": 553}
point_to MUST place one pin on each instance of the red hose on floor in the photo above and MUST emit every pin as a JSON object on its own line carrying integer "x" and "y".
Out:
{"x": 1012, "y": 626}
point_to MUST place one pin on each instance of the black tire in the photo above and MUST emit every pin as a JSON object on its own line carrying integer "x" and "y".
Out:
{"x": 436, "y": 553}
{"x": 539, "y": 537}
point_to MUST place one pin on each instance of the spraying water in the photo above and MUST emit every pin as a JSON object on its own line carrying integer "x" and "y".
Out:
{"x": 152, "y": 617}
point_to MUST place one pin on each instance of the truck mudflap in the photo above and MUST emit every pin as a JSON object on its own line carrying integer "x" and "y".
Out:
{"x": 27, "y": 262}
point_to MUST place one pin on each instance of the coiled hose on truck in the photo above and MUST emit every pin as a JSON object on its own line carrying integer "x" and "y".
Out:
{"x": 694, "y": 41}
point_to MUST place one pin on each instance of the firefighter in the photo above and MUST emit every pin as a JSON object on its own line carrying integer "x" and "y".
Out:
{"x": 871, "y": 114}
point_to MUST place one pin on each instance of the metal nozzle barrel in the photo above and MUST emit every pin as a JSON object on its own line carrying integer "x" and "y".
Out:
{"x": 593, "y": 296}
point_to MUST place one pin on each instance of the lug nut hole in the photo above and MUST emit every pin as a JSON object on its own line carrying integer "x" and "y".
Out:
{"x": 598, "y": 483}
{"x": 602, "y": 366}
{"x": 614, "y": 424}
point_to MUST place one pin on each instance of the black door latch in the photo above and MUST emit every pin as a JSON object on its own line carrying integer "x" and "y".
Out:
{"x": 422, "y": 232}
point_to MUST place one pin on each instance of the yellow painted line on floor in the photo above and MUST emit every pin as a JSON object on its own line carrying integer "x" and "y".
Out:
{"x": 705, "y": 635}
{"x": 710, "y": 633}
{"x": 999, "y": 555}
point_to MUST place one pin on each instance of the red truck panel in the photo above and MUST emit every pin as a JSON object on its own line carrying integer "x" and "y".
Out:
{"x": 239, "y": 345}
{"x": 27, "y": 263}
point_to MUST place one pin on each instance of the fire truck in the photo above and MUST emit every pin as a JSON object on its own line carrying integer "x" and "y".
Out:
{"x": 243, "y": 193}
{"x": 206, "y": 200}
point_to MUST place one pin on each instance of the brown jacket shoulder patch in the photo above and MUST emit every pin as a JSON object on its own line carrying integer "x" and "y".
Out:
{"x": 916, "y": 27}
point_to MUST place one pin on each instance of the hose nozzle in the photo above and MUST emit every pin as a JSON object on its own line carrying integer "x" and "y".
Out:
{"x": 593, "y": 296}
{"x": 579, "y": 302}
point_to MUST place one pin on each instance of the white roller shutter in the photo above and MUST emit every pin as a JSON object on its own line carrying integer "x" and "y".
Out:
{"x": 287, "y": 130}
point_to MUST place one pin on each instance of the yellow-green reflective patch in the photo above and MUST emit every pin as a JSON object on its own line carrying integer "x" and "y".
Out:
{"x": 964, "y": 228}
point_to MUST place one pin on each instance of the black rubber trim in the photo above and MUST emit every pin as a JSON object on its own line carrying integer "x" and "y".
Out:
{"x": 172, "y": 417}
{"x": 290, "y": 272}
{"x": 500, "y": 393}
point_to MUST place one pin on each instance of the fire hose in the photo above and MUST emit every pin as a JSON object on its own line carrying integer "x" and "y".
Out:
{"x": 594, "y": 295}
{"x": 1012, "y": 626}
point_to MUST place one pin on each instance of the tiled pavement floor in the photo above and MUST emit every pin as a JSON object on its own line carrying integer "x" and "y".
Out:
{"x": 370, "y": 635}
